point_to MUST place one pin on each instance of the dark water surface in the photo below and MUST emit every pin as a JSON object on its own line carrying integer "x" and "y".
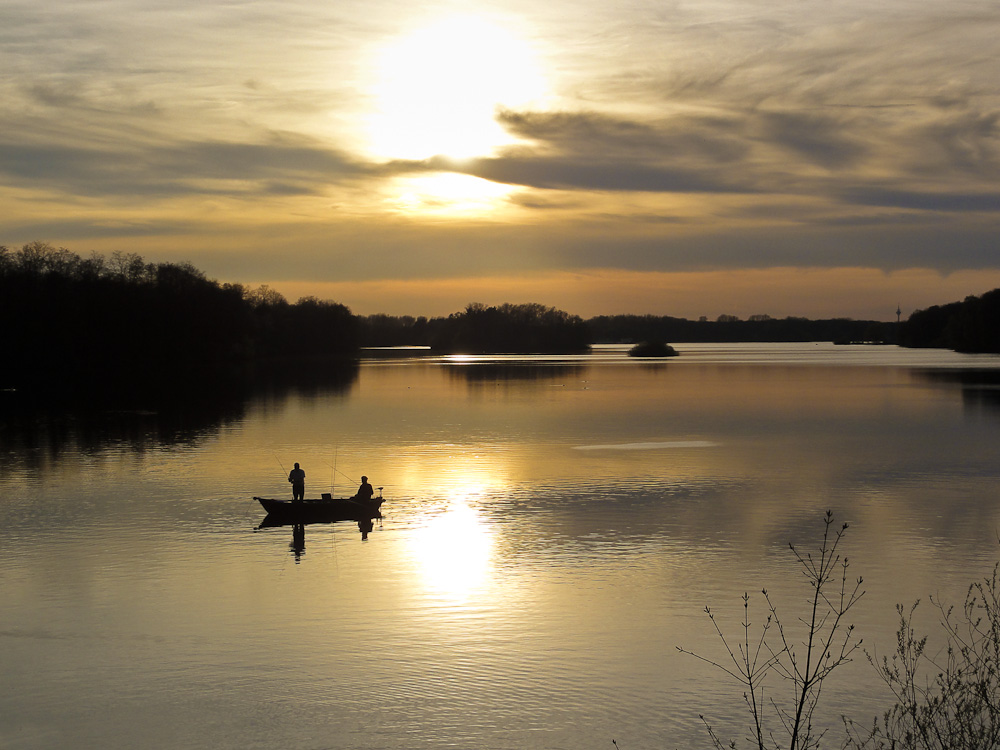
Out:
{"x": 554, "y": 528}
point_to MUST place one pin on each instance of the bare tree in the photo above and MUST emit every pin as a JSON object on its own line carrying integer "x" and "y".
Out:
{"x": 827, "y": 643}
{"x": 949, "y": 700}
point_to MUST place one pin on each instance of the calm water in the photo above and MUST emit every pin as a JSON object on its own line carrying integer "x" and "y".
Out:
{"x": 554, "y": 528}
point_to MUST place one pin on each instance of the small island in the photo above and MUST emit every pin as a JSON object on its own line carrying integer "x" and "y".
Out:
{"x": 652, "y": 349}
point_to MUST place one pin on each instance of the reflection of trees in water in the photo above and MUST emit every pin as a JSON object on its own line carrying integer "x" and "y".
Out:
{"x": 500, "y": 372}
{"x": 38, "y": 428}
{"x": 980, "y": 387}
{"x": 982, "y": 398}
{"x": 303, "y": 378}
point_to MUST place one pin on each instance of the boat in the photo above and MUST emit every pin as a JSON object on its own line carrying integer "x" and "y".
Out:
{"x": 319, "y": 510}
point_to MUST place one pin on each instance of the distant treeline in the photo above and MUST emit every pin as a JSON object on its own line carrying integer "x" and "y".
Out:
{"x": 479, "y": 329}
{"x": 442, "y": 333}
{"x": 123, "y": 318}
{"x": 68, "y": 317}
{"x": 731, "y": 329}
{"x": 972, "y": 325}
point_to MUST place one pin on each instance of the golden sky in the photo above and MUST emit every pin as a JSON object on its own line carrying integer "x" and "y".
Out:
{"x": 786, "y": 157}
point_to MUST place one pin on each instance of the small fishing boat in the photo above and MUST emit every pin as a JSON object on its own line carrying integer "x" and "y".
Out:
{"x": 322, "y": 510}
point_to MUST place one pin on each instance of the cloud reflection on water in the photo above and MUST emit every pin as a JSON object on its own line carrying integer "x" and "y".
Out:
{"x": 648, "y": 446}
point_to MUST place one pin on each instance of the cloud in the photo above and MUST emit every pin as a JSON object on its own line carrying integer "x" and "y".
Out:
{"x": 713, "y": 139}
{"x": 649, "y": 446}
{"x": 962, "y": 141}
{"x": 924, "y": 200}
{"x": 820, "y": 139}
{"x": 590, "y": 151}
{"x": 833, "y": 154}
{"x": 595, "y": 173}
{"x": 282, "y": 166}
{"x": 95, "y": 228}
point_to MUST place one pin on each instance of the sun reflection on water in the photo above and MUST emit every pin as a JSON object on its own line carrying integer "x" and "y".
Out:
{"x": 454, "y": 551}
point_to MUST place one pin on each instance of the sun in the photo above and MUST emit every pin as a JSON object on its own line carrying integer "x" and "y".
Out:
{"x": 438, "y": 89}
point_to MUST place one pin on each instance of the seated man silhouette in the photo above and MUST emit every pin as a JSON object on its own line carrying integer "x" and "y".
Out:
{"x": 365, "y": 491}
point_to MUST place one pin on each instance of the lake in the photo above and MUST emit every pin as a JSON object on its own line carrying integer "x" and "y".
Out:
{"x": 554, "y": 528}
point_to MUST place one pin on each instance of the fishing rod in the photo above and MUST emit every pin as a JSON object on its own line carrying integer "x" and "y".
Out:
{"x": 355, "y": 481}
{"x": 338, "y": 471}
{"x": 285, "y": 473}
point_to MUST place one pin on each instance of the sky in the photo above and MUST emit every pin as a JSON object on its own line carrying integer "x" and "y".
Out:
{"x": 739, "y": 157}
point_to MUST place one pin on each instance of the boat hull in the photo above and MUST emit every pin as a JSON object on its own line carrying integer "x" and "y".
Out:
{"x": 283, "y": 512}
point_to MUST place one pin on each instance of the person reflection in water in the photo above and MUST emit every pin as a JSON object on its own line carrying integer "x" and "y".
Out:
{"x": 365, "y": 491}
{"x": 365, "y": 526}
{"x": 298, "y": 479}
{"x": 298, "y": 545}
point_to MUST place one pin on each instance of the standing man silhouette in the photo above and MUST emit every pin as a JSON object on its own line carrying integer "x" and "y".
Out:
{"x": 298, "y": 479}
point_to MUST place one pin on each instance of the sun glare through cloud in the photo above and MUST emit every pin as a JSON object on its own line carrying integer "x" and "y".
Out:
{"x": 446, "y": 194}
{"x": 438, "y": 89}
{"x": 437, "y": 93}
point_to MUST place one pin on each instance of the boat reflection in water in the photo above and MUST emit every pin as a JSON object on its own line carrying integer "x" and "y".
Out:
{"x": 326, "y": 509}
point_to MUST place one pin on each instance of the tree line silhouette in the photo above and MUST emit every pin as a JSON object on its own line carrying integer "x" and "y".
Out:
{"x": 508, "y": 328}
{"x": 67, "y": 317}
{"x": 731, "y": 329}
{"x": 476, "y": 329}
{"x": 120, "y": 317}
{"x": 972, "y": 325}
